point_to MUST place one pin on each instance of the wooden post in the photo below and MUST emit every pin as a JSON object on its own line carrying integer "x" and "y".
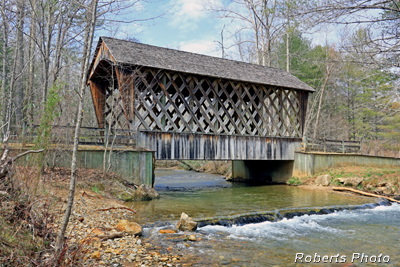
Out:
{"x": 324, "y": 145}
{"x": 343, "y": 147}
{"x": 262, "y": 112}
{"x": 163, "y": 100}
{"x": 191, "y": 104}
{"x": 216, "y": 108}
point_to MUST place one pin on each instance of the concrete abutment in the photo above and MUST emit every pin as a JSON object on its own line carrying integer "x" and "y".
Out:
{"x": 135, "y": 166}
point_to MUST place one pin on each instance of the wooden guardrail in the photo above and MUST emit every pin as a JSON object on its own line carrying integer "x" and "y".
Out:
{"x": 329, "y": 145}
{"x": 88, "y": 135}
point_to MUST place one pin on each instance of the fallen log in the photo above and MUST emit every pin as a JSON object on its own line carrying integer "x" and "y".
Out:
{"x": 364, "y": 193}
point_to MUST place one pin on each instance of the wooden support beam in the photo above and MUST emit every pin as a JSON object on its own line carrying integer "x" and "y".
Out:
{"x": 98, "y": 92}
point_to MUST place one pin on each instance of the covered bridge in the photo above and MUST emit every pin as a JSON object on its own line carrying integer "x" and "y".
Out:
{"x": 189, "y": 106}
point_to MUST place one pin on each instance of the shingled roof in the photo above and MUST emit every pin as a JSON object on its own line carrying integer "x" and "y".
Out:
{"x": 132, "y": 53}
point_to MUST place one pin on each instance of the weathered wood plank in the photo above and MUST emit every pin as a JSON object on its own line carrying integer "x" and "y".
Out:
{"x": 193, "y": 146}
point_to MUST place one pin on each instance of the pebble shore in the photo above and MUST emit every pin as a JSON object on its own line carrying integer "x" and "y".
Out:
{"x": 93, "y": 228}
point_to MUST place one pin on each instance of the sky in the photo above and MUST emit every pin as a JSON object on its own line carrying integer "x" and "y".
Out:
{"x": 186, "y": 25}
{"x": 179, "y": 24}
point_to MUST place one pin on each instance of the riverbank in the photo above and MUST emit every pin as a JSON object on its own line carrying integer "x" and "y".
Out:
{"x": 379, "y": 181}
{"x": 94, "y": 234}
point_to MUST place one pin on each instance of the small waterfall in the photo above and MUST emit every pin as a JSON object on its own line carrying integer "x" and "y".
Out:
{"x": 277, "y": 215}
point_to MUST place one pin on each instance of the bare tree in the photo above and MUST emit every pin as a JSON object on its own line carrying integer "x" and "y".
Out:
{"x": 19, "y": 85}
{"x": 380, "y": 19}
{"x": 89, "y": 33}
{"x": 3, "y": 92}
{"x": 262, "y": 18}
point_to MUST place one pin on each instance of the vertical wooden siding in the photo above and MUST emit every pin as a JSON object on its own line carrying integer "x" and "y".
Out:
{"x": 192, "y": 146}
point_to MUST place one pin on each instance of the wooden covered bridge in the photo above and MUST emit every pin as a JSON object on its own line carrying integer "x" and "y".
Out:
{"x": 183, "y": 105}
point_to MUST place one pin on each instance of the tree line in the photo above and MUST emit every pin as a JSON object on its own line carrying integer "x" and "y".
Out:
{"x": 356, "y": 77}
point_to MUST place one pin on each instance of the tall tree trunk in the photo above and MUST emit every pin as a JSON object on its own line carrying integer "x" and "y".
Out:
{"x": 287, "y": 36}
{"x": 91, "y": 15}
{"x": 29, "y": 91}
{"x": 19, "y": 92}
{"x": 328, "y": 74}
{"x": 10, "y": 106}
{"x": 46, "y": 56}
{"x": 3, "y": 92}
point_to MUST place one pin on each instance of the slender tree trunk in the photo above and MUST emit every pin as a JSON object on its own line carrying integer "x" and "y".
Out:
{"x": 10, "y": 106}
{"x": 328, "y": 74}
{"x": 29, "y": 92}
{"x": 91, "y": 15}
{"x": 19, "y": 92}
{"x": 3, "y": 92}
{"x": 46, "y": 58}
{"x": 287, "y": 37}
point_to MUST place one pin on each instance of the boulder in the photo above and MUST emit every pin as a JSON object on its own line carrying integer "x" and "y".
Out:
{"x": 396, "y": 191}
{"x": 323, "y": 180}
{"x": 145, "y": 192}
{"x": 388, "y": 190}
{"x": 186, "y": 223}
{"x": 379, "y": 190}
{"x": 129, "y": 227}
{"x": 353, "y": 181}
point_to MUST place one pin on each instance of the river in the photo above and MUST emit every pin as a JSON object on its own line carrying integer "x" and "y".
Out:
{"x": 347, "y": 229}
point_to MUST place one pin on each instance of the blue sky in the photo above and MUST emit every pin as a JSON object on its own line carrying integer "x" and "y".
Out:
{"x": 187, "y": 26}
{"x": 183, "y": 25}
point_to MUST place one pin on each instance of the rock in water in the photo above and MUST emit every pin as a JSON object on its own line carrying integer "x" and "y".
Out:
{"x": 324, "y": 180}
{"x": 192, "y": 238}
{"x": 129, "y": 227}
{"x": 145, "y": 192}
{"x": 186, "y": 223}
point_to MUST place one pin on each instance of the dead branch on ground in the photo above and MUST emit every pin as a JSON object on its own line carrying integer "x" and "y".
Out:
{"x": 364, "y": 193}
{"x": 110, "y": 236}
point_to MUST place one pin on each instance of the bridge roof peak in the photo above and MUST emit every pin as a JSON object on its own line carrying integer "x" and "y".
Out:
{"x": 134, "y": 53}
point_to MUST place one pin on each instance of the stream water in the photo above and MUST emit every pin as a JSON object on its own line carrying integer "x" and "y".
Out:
{"x": 261, "y": 225}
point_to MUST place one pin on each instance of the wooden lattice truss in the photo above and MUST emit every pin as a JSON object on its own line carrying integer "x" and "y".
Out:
{"x": 162, "y": 100}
